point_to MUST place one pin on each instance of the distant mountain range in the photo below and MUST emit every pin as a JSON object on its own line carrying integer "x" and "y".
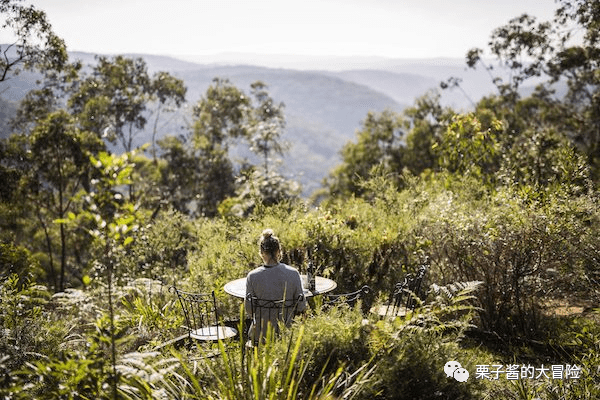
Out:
{"x": 324, "y": 106}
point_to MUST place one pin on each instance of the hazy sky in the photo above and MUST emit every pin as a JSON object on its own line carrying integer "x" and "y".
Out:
{"x": 388, "y": 28}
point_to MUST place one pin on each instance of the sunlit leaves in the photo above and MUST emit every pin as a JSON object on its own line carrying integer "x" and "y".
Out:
{"x": 468, "y": 147}
{"x": 220, "y": 115}
{"x": 380, "y": 141}
{"x": 112, "y": 216}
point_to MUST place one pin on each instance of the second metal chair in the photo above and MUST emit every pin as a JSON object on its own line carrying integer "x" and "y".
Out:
{"x": 201, "y": 316}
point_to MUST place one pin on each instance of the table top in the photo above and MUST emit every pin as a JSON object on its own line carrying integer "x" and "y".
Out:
{"x": 237, "y": 287}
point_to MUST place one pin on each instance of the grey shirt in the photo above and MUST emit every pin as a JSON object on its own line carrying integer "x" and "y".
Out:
{"x": 272, "y": 283}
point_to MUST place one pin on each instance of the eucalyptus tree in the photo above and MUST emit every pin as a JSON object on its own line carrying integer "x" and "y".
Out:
{"x": 197, "y": 173}
{"x": 266, "y": 126}
{"x": 265, "y": 129}
{"x": 168, "y": 94}
{"x": 379, "y": 143}
{"x": 220, "y": 118}
{"x": 54, "y": 158}
{"x": 111, "y": 100}
{"x": 564, "y": 52}
{"x": 33, "y": 43}
{"x": 428, "y": 121}
{"x": 115, "y": 100}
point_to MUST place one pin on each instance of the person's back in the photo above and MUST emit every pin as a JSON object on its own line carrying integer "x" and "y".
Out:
{"x": 273, "y": 291}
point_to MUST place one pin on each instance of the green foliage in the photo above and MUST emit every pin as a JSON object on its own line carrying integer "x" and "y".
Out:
{"x": 219, "y": 118}
{"x": 414, "y": 349}
{"x": 546, "y": 163}
{"x": 266, "y": 126}
{"x": 159, "y": 249}
{"x": 524, "y": 252}
{"x": 25, "y": 336}
{"x": 429, "y": 120}
{"x": 17, "y": 260}
{"x": 502, "y": 201}
{"x": 553, "y": 55}
{"x": 258, "y": 189}
{"x": 580, "y": 333}
{"x": 36, "y": 44}
{"x": 336, "y": 338}
{"x": 113, "y": 216}
{"x": 111, "y": 100}
{"x": 148, "y": 312}
{"x": 47, "y": 170}
{"x": 88, "y": 373}
{"x": 278, "y": 369}
{"x": 22, "y": 302}
{"x": 262, "y": 186}
{"x": 379, "y": 142}
{"x": 469, "y": 148}
{"x": 220, "y": 115}
{"x": 169, "y": 92}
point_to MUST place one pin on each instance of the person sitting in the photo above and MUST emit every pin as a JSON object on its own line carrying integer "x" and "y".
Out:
{"x": 274, "y": 289}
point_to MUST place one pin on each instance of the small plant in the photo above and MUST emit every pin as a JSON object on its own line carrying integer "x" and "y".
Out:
{"x": 280, "y": 368}
{"x": 412, "y": 350}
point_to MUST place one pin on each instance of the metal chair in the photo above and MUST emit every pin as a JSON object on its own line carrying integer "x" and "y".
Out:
{"x": 405, "y": 294}
{"x": 201, "y": 316}
{"x": 332, "y": 300}
{"x": 268, "y": 315}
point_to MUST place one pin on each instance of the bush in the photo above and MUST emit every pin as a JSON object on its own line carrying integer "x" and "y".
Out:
{"x": 525, "y": 252}
{"x": 18, "y": 260}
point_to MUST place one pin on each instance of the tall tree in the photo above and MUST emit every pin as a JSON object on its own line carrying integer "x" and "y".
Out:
{"x": 263, "y": 184}
{"x": 266, "y": 126}
{"x": 168, "y": 93}
{"x": 111, "y": 100}
{"x": 56, "y": 160}
{"x": 428, "y": 122}
{"x": 33, "y": 42}
{"x": 550, "y": 52}
{"x": 220, "y": 117}
{"x": 380, "y": 143}
{"x": 114, "y": 101}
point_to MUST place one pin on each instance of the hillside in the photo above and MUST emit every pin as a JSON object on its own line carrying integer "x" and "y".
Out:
{"x": 322, "y": 111}
{"x": 7, "y": 110}
{"x": 323, "y": 108}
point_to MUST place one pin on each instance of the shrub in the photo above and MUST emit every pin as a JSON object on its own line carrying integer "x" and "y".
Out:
{"x": 410, "y": 352}
{"x": 524, "y": 252}
{"x": 18, "y": 260}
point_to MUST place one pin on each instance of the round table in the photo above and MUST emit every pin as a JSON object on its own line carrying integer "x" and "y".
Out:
{"x": 237, "y": 287}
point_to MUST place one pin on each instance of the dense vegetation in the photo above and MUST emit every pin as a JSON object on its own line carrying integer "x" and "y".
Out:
{"x": 502, "y": 202}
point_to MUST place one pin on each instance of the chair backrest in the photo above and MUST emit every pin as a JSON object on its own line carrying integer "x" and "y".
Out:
{"x": 405, "y": 293}
{"x": 265, "y": 313}
{"x": 199, "y": 311}
{"x": 350, "y": 298}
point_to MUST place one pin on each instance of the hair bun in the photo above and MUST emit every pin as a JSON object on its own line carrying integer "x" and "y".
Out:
{"x": 267, "y": 233}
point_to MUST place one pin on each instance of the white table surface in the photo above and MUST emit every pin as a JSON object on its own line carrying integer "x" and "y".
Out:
{"x": 237, "y": 287}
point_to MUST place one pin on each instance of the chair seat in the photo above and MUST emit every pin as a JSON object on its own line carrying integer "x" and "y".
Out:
{"x": 212, "y": 333}
{"x": 384, "y": 310}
